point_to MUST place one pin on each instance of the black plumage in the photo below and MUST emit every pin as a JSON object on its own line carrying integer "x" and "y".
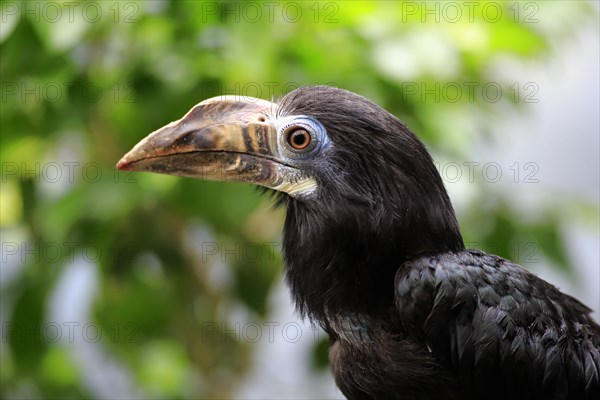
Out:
{"x": 373, "y": 254}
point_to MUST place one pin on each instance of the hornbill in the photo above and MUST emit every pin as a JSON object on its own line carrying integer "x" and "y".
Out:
{"x": 374, "y": 255}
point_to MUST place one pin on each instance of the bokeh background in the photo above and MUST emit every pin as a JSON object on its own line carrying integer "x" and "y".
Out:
{"x": 120, "y": 285}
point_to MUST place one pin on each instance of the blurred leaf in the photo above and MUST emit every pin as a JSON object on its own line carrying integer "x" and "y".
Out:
{"x": 26, "y": 329}
{"x": 320, "y": 357}
{"x": 551, "y": 244}
{"x": 58, "y": 368}
{"x": 163, "y": 368}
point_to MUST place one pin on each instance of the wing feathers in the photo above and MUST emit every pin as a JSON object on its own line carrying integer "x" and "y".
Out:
{"x": 500, "y": 327}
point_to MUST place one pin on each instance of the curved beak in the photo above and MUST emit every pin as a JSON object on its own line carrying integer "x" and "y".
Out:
{"x": 226, "y": 138}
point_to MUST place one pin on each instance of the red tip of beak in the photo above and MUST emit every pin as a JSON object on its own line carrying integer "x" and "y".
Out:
{"x": 123, "y": 164}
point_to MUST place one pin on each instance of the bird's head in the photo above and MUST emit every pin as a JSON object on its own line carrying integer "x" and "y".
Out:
{"x": 355, "y": 179}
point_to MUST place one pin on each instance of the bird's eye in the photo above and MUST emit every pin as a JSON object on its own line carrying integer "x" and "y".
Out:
{"x": 298, "y": 138}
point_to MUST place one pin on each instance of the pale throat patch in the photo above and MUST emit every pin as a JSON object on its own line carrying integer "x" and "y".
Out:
{"x": 302, "y": 188}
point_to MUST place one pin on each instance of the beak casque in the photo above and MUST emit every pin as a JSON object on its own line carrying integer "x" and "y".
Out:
{"x": 225, "y": 138}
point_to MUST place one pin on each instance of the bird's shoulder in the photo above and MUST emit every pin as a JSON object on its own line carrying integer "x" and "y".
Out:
{"x": 486, "y": 317}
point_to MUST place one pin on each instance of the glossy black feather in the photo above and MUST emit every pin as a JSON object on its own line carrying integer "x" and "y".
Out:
{"x": 377, "y": 259}
{"x": 524, "y": 338}
{"x": 377, "y": 177}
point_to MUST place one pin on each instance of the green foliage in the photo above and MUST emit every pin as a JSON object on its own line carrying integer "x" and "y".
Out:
{"x": 170, "y": 254}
